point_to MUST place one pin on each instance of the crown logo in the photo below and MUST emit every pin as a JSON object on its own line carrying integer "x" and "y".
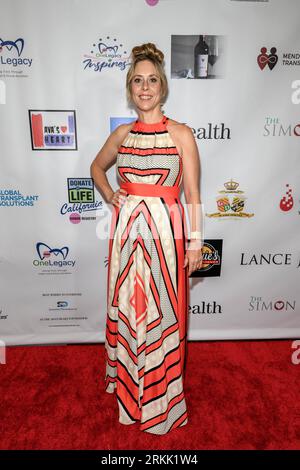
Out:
{"x": 230, "y": 202}
{"x": 231, "y": 185}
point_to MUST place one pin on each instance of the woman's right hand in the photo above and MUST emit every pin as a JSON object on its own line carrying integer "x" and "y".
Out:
{"x": 118, "y": 198}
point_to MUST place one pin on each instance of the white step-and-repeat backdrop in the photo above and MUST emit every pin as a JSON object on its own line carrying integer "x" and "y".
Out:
{"x": 234, "y": 75}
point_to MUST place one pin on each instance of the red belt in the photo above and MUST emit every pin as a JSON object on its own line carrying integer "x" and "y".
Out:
{"x": 144, "y": 189}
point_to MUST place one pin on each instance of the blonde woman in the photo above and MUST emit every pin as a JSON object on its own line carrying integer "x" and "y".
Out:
{"x": 150, "y": 258}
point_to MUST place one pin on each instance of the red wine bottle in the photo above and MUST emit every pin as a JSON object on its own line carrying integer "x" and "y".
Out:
{"x": 200, "y": 59}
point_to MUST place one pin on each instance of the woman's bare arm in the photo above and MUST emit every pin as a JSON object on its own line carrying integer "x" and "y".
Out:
{"x": 105, "y": 158}
{"x": 191, "y": 178}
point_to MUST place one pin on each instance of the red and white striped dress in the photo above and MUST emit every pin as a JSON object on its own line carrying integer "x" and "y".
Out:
{"x": 147, "y": 285}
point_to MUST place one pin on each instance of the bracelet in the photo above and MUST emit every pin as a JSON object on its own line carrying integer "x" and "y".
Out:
{"x": 195, "y": 242}
{"x": 195, "y": 246}
{"x": 196, "y": 234}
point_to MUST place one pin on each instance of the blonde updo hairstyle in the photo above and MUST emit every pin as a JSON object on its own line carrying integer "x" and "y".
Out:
{"x": 150, "y": 52}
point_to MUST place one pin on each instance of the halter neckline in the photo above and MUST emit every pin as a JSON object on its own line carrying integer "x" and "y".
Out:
{"x": 151, "y": 125}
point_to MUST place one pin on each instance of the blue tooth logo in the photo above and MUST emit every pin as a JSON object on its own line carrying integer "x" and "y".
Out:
{"x": 18, "y": 45}
{"x": 41, "y": 247}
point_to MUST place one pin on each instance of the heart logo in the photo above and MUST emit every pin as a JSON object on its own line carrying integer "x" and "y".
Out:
{"x": 279, "y": 305}
{"x": 264, "y": 59}
{"x": 63, "y": 129}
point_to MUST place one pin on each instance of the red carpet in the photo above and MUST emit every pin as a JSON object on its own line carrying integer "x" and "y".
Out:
{"x": 240, "y": 395}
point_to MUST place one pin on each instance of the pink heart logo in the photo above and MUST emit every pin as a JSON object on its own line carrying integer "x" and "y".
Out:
{"x": 63, "y": 128}
{"x": 279, "y": 304}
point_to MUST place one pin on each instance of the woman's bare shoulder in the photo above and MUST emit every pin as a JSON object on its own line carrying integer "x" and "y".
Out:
{"x": 122, "y": 130}
{"x": 124, "y": 127}
{"x": 179, "y": 126}
{"x": 181, "y": 130}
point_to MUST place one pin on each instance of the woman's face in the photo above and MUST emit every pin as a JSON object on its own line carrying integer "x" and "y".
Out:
{"x": 146, "y": 86}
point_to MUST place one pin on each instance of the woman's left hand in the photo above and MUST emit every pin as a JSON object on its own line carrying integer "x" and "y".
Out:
{"x": 193, "y": 259}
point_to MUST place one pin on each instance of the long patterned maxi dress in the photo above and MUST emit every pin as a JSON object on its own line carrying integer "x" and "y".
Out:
{"x": 147, "y": 285}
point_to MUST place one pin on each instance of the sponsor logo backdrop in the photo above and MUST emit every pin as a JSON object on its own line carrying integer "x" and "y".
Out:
{"x": 234, "y": 75}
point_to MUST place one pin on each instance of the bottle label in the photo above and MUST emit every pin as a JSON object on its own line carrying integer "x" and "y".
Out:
{"x": 201, "y": 65}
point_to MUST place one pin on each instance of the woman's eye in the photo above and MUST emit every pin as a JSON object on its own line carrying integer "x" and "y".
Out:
{"x": 137, "y": 80}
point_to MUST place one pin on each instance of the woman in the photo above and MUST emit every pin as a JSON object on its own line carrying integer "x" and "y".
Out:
{"x": 149, "y": 257}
